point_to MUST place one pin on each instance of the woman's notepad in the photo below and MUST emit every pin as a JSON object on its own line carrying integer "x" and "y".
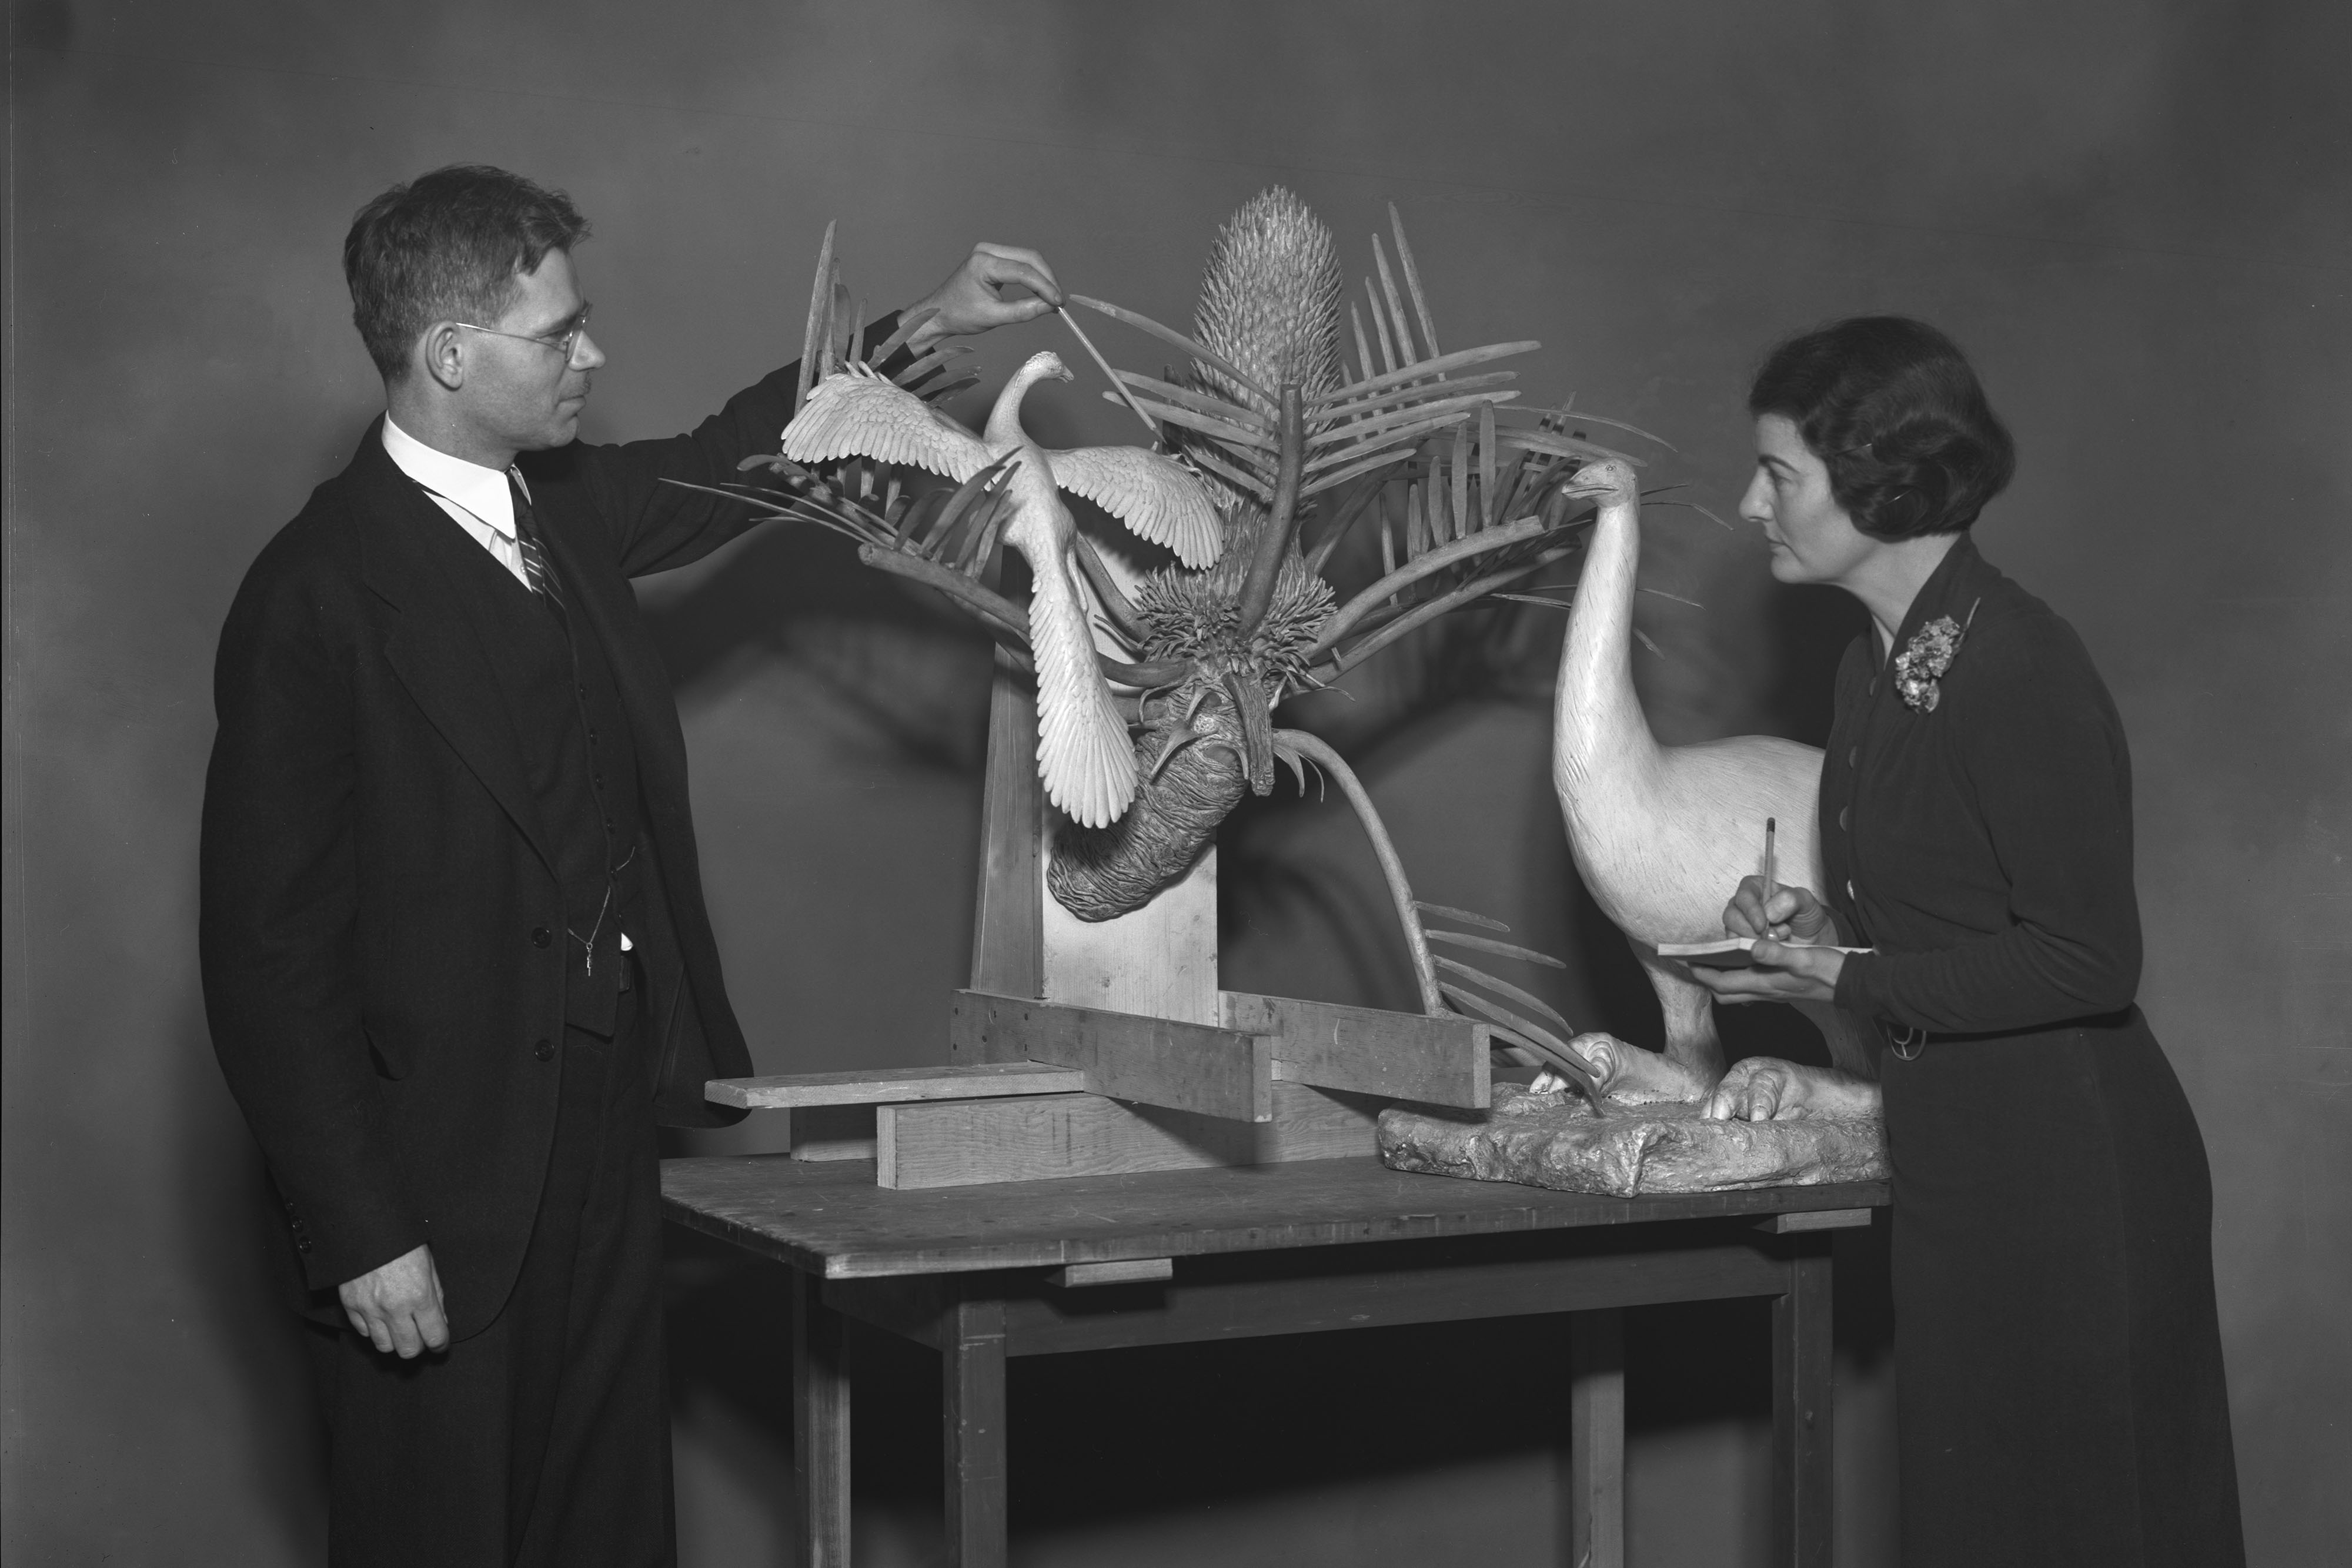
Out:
{"x": 1733, "y": 951}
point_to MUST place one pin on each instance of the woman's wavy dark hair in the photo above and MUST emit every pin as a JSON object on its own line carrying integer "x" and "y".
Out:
{"x": 448, "y": 245}
{"x": 1891, "y": 407}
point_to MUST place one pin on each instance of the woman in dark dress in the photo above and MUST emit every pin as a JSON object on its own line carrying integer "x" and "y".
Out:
{"x": 2059, "y": 1382}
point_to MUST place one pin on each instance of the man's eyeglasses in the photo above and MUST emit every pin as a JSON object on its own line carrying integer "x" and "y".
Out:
{"x": 567, "y": 345}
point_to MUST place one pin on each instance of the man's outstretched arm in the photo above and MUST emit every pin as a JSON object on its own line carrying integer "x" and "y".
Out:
{"x": 659, "y": 526}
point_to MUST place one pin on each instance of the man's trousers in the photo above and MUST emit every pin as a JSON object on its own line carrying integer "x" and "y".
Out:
{"x": 544, "y": 1440}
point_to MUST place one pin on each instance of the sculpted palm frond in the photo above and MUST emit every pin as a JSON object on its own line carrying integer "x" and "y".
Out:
{"x": 1270, "y": 433}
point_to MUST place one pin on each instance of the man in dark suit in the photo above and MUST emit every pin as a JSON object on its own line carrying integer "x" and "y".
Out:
{"x": 455, "y": 957}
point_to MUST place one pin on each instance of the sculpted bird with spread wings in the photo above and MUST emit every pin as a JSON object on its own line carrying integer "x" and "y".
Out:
{"x": 1085, "y": 756}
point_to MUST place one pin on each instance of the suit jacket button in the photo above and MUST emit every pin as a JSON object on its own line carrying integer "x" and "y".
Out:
{"x": 545, "y": 1049}
{"x": 1843, "y": 816}
{"x": 1853, "y": 756}
{"x": 301, "y": 1244}
{"x": 541, "y": 936}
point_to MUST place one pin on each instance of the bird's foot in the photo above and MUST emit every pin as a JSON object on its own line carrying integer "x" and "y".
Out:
{"x": 1629, "y": 1075}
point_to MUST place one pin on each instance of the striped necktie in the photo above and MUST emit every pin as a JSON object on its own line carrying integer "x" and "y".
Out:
{"x": 534, "y": 559}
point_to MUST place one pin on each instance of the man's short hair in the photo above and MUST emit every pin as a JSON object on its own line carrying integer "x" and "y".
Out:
{"x": 448, "y": 245}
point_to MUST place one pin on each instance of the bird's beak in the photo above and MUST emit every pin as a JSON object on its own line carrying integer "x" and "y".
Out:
{"x": 1068, "y": 374}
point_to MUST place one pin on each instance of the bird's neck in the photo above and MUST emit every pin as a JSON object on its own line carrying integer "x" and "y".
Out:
{"x": 1596, "y": 712}
{"x": 1005, "y": 419}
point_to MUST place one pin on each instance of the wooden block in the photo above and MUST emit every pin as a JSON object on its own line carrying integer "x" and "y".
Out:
{"x": 1156, "y": 1062}
{"x": 975, "y": 1081}
{"x": 1007, "y": 944}
{"x": 1126, "y": 1271}
{"x": 1160, "y": 960}
{"x": 1369, "y": 1050}
{"x": 963, "y": 1143}
{"x": 831, "y": 1133}
{"x": 1815, "y": 1219}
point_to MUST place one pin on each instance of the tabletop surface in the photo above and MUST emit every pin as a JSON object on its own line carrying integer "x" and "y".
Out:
{"x": 826, "y": 1216}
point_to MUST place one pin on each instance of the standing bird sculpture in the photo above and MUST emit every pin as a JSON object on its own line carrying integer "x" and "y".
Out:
{"x": 1663, "y": 833}
{"x": 1085, "y": 756}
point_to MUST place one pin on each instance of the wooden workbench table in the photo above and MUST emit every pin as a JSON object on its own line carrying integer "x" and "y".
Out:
{"x": 981, "y": 1273}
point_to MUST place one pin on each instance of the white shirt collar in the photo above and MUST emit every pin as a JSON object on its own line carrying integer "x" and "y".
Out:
{"x": 479, "y": 490}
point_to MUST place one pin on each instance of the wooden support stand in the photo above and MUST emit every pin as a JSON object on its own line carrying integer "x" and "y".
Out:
{"x": 1107, "y": 1049}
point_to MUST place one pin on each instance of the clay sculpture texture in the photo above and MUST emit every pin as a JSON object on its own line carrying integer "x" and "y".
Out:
{"x": 1293, "y": 448}
{"x": 1561, "y": 1142}
{"x": 1662, "y": 835}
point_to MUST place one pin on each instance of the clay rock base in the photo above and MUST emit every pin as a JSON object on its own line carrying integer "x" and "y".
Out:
{"x": 1558, "y": 1141}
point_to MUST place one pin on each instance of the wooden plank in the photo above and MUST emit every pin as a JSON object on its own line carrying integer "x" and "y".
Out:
{"x": 1819, "y": 1219}
{"x": 1162, "y": 1062}
{"x": 1596, "y": 1441}
{"x": 974, "y": 1081}
{"x": 1369, "y": 1051}
{"x": 968, "y": 1142}
{"x": 820, "y": 1429}
{"x": 1007, "y": 943}
{"x": 1392, "y": 1284}
{"x": 1129, "y": 1272}
{"x": 830, "y": 1217}
{"x": 830, "y": 1132}
{"x": 1802, "y": 1411}
{"x": 1160, "y": 960}
{"x": 971, "y": 1421}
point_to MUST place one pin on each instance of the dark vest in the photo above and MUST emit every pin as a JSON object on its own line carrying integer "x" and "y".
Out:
{"x": 583, "y": 769}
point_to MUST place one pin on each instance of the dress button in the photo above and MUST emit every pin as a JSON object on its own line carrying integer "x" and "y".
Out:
{"x": 541, "y": 936}
{"x": 592, "y": 734}
{"x": 1842, "y": 814}
{"x": 542, "y": 1049}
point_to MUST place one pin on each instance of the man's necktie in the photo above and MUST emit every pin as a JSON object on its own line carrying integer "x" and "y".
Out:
{"x": 534, "y": 558}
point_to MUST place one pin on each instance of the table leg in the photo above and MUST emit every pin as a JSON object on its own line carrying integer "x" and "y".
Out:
{"x": 1596, "y": 1453}
{"x": 1802, "y": 1412}
{"x": 819, "y": 1427}
{"x": 972, "y": 1388}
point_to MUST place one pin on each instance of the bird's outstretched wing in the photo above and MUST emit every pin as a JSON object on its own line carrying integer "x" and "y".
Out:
{"x": 857, "y": 414}
{"x": 1156, "y": 497}
{"x": 1085, "y": 758}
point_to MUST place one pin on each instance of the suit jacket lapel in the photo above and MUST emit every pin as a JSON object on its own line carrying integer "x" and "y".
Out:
{"x": 602, "y": 605}
{"x": 436, "y": 648}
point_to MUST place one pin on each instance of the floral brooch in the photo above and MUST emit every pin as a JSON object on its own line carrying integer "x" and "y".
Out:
{"x": 1926, "y": 658}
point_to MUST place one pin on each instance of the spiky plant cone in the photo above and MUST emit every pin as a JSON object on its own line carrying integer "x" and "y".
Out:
{"x": 1270, "y": 300}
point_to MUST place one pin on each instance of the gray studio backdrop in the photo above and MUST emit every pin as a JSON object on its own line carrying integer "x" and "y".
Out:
{"x": 2134, "y": 216}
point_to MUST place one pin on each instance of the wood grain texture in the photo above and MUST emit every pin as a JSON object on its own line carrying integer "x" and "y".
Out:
{"x": 1162, "y": 1062}
{"x": 1596, "y": 1453}
{"x": 971, "y": 1421}
{"x": 976, "y": 1080}
{"x": 1389, "y": 1285}
{"x": 1369, "y": 1050}
{"x": 830, "y": 1132}
{"x": 820, "y": 1429}
{"x": 1803, "y": 1374}
{"x": 1160, "y": 960}
{"x": 1007, "y": 938}
{"x": 1132, "y": 1271}
{"x": 830, "y": 1218}
{"x": 1819, "y": 1220}
{"x": 1052, "y": 1137}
